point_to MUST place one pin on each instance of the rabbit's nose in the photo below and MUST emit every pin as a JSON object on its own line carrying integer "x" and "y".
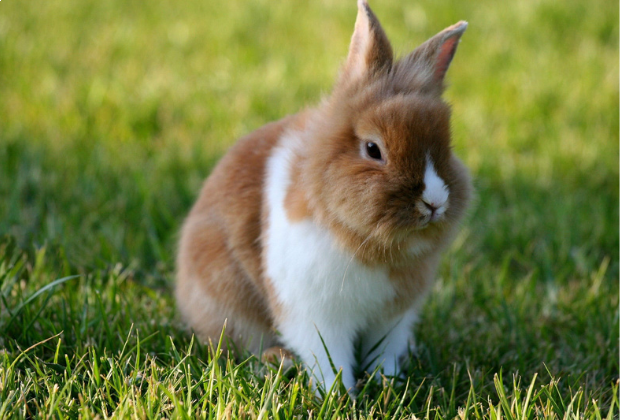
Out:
{"x": 436, "y": 210}
{"x": 431, "y": 206}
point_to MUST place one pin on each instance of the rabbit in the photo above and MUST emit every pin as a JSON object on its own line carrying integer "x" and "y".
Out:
{"x": 323, "y": 230}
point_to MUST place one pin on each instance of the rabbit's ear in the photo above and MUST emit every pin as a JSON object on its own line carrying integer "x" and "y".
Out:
{"x": 427, "y": 65}
{"x": 370, "y": 49}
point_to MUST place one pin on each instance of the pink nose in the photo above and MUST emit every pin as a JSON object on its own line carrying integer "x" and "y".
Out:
{"x": 431, "y": 206}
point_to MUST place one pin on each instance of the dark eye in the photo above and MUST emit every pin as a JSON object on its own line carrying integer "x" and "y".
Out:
{"x": 373, "y": 150}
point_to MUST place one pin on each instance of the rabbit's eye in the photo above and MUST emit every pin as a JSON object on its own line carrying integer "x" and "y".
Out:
{"x": 373, "y": 150}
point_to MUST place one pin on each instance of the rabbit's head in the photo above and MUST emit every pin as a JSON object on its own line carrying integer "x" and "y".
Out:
{"x": 379, "y": 164}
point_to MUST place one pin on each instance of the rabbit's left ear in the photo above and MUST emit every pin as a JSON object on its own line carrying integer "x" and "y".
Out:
{"x": 370, "y": 49}
{"x": 427, "y": 65}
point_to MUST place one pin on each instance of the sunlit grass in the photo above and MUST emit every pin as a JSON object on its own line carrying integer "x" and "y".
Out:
{"x": 112, "y": 114}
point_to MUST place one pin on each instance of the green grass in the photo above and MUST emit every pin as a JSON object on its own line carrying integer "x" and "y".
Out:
{"x": 112, "y": 113}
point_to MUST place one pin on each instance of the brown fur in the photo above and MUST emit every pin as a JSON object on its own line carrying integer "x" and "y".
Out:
{"x": 296, "y": 203}
{"x": 368, "y": 206}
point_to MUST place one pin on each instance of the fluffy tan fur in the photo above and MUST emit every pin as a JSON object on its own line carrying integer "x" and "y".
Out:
{"x": 368, "y": 206}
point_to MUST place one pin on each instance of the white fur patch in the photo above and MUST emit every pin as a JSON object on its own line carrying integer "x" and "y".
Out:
{"x": 392, "y": 339}
{"x": 436, "y": 192}
{"x": 321, "y": 287}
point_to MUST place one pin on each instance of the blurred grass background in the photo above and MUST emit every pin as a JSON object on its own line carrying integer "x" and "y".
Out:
{"x": 113, "y": 113}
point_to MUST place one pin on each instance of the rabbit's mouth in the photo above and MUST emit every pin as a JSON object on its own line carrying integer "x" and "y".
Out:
{"x": 430, "y": 212}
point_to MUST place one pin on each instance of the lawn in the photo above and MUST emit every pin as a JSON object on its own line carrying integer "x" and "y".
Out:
{"x": 113, "y": 112}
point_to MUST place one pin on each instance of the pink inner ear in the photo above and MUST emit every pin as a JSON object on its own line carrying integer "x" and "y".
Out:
{"x": 445, "y": 57}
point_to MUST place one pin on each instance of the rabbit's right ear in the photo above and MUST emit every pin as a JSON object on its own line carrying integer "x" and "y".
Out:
{"x": 370, "y": 50}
